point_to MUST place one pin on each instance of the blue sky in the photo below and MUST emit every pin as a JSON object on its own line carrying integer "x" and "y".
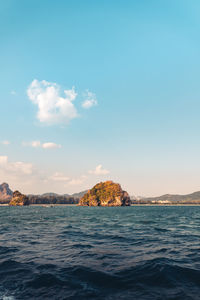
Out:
{"x": 97, "y": 90}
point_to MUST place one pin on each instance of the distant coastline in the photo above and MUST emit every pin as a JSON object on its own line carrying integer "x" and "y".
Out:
{"x": 53, "y": 199}
{"x": 134, "y": 205}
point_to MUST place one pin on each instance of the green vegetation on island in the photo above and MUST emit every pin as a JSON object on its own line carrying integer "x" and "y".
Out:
{"x": 106, "y": 194}
{"x": 53, "y": 199}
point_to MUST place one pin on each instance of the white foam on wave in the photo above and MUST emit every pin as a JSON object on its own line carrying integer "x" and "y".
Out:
{"x": 6, "y": 297}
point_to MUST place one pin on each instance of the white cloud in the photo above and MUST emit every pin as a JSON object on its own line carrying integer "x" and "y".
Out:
{"x": 52, "y": 107}
{"x": 13, "y": 93}
{"x": 62, "y": 178}
{"x": 30, "y": 179}
{"x": 59, "y": 177}
{"x": 38, "y": 144}
{"x": 99, "y": 171}
{"x": 18, "y": 167}
{"x": 3, "y": 161}
{"x": 78, "y": 181}
{"x": 20, "y": 175}
{"x": 5, "y": 143}
{"x": 50, "y": 145}
{"x": 90, "y": 100}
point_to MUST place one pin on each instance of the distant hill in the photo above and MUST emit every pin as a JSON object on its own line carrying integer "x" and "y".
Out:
{"x": 5, "y": 193}
{"x": 75, "y": 195}
{"x": 79, "y": 195}
{"x": 52, "y": 199}
{"x": 170, "y": 198}
{"x": 49, "y": 194}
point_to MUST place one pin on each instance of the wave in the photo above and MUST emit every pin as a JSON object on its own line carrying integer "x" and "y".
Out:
{"x": 146, "y": 280}
{"x": 75, "y": 253}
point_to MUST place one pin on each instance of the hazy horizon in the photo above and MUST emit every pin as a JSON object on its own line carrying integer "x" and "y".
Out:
{"x": 96, "y": 91}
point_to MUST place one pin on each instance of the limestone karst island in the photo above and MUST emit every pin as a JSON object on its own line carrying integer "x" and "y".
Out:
{"x": 106, "y": 194}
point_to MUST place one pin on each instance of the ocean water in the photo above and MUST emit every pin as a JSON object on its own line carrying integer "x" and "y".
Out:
{"x": 69, "y": 252}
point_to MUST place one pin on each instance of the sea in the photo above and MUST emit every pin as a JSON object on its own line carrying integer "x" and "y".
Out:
{"x": 72, "y": 252}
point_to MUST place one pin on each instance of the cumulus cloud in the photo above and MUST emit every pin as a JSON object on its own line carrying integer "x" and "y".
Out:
{"x": 35, "y": 144}
{"x": 99, "y": 171}
{"x": 77, "y": 181}
{"x": 38, "y": 144}
{"x": 20, "y": 175}
{"x": 50, "y": 146}
{"x": 18, "y": 167}
{"x": 52, "y": 107}
{"x": 62, "y": 178}
{"x": 90, "y": 100}
{"x": 30, "y": 179}
{"x": 6, "y": 143}
{"x": 59, "y": 177}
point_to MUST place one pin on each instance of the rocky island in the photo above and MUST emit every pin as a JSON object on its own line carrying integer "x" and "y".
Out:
{"x": 106, "y": 194}
{"x": 5, "y": 193}
{"x": 18, "y": 199}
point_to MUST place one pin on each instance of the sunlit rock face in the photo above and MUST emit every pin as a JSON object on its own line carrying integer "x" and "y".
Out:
{"x": 18, "y": 199}
{"x": 106, "y": 194}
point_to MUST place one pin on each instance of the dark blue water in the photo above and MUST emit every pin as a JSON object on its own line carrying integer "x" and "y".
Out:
{"x": 70, "y": 252}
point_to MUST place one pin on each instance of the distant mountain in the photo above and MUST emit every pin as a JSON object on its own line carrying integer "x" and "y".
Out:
{"x": 170, "y": 198}
{"x": 75, "y": 195}
{"x": 133, "y": 197}
{"x": 5, "y": 193}
{"x": 79, "y": 195}
{"x": 49, "y": 195}
{"x": 53, "y": 198}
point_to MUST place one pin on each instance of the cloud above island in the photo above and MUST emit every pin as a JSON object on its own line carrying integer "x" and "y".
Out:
{"x": 99, "y": 171}
{"x": 17, "y": 167}
{"x": 78, "y": 181}
{"x": 52, "y": 107}
{"x": 27, "y": 177}
{"x": 57, "y": 176}
{"x": 60, "y": 177}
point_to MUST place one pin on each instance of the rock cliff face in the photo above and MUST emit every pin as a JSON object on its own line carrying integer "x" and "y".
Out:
{"x": 5, "y": 192}
{"x": 106, "y": 194}
{"x": 18, "y": 199}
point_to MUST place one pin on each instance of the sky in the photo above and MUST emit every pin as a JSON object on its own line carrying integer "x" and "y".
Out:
{"x": 100, "y": 90}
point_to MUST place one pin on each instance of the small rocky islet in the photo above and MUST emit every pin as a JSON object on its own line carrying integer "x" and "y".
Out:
{"x": 106, "y": 194}
{"x": 18, "y": 199}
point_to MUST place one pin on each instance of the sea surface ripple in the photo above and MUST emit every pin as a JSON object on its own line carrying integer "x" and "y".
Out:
{"x": 69, "y": 252}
